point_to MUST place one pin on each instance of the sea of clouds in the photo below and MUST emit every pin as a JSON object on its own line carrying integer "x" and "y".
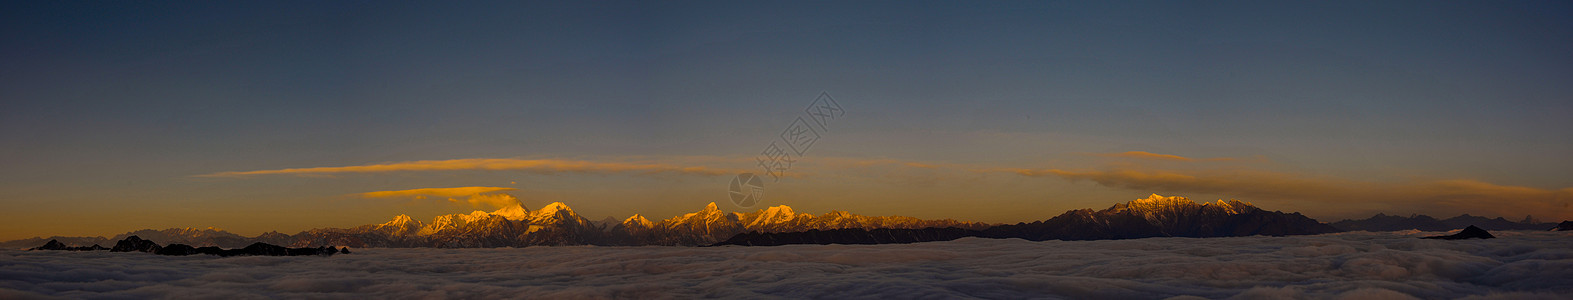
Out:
{"x": 1359, "y": 265}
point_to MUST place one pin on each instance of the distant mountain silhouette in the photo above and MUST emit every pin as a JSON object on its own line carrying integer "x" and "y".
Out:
{"x": 1159, "y": 216}
{"x": 1470, "y": 232}
{"x": 1383, "y": 222}
{"x": 137, "y": 244}
{"x": 57, "y": 245}
{"x": 190, "y": 236}
{"x": 65, "y": 240}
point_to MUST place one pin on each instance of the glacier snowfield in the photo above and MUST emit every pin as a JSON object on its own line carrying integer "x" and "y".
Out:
{"x": 1358, "y": 265}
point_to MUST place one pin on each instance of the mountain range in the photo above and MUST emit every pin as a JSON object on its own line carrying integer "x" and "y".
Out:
{"x": 557, "y": 224}
{"x": 515, "y": 226}
{"x": 1159, "y": 216}
{"x": 1154, "y": 216}
{"x": 1384, "y": 222}
{"x": 199, "y": 237}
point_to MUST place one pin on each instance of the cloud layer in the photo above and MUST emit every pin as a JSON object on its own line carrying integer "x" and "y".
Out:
{"x": 1519, "y": 265}
{"x": 493, "y": 164}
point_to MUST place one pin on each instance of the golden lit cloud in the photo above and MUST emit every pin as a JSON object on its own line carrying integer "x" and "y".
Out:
{"x": 475, "y": 195}
{"x": 495, "y": 200}
{"x": 436, "y": 192}
{"x": 494, "y": 164}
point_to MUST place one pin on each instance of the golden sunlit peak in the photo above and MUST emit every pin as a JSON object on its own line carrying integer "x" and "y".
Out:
{"x": 399, "y": 220}
{"x": 554, "y": 207}
{"x": 1156, "y": 198}
{"x": 638, "y": 221}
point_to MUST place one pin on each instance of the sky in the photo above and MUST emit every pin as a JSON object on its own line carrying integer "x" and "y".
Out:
{"x": 292, "y": 115}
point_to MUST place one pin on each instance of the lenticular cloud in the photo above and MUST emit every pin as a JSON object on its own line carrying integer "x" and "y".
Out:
{"x": 1360, "y": 265}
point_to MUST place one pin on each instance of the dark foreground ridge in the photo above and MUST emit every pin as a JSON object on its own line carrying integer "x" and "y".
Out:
{"x": 137, "y": 244}
{"x": 852, "y": 236}
{"x": 1470, "y": 232}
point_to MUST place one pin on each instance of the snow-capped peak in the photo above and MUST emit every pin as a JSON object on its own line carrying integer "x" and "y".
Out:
{"x": 399, "y": 220}
{"x": 1232, "y": 206}
{"x": 1161, "y": 200}
{"x": 710, "y": 213}
{"x": 552, "y": 208}
{"x": 550, "y": 212}
{"x": 773, "y": 215}
{"x": 514, "y": 212}
{"x": 443, "y": 222}
{"x": 637, "y": 221}
{"x": 475, "y": 216}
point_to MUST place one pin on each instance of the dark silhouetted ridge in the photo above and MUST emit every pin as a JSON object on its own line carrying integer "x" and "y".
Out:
{"x": 135, "y": 244}
{"x": 57, "y": 245}
{"x": 1470, "y": 232}
{"x": 1565, "y": 226}
{"x": 255, "y": 249}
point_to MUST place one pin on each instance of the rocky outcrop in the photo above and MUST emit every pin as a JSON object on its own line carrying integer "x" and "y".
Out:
{"x": 1470, "y": 232}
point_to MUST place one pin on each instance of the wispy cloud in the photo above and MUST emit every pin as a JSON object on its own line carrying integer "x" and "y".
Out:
{"x": 1168, "y": 157}
{"x": 494, "y": 164}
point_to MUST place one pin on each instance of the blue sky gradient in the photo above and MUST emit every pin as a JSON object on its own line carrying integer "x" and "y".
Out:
{"x": 110, "y": 112}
